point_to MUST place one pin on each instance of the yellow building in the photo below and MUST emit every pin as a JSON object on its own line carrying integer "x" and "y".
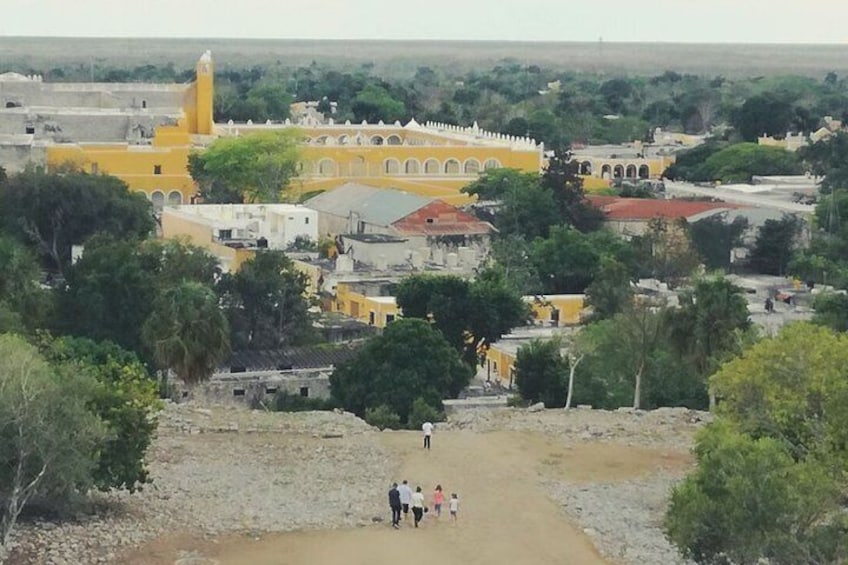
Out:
{"x": 155, "y": 166}
{"x": 365, "y": 301}
{"x": 434, "y": 159}
{"x": 556, "y": 309}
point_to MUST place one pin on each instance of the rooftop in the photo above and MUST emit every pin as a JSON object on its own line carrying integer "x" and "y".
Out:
{"x": 623, "y": 209}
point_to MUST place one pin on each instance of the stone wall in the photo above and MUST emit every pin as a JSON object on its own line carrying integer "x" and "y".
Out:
{"x": 250, "y": 388}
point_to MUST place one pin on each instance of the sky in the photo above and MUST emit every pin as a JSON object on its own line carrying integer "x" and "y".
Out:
{"x": 697, "y": 21}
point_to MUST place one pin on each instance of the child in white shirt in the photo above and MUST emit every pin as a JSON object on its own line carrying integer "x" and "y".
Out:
{"x": 453, "y": 505}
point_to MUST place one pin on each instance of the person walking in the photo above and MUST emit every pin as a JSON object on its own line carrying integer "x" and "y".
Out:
{"x": 405, "y": 498}
{"x": 454, "y": 506}
{"x": 438, "y": 500}
{"x": 427, "y": 428}
{"x": 417, "y": 505}
{"x": 394, "y": 504}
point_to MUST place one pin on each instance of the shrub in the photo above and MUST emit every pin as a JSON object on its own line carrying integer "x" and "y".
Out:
{"x": 423, "y": 412}
{"x": 285, "y": 401}
{"x": 382, "y": 417}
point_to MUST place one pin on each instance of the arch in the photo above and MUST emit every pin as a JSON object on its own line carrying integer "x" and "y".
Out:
{"x": 586, "y": 168}
{"x": 412, "y": 167}
{"x": 618, "y": 171}
{"x": 358, "y": 167}
{"x": 321, "y": 140}
{"x": 491, "y": 164}
{"x": 175, "y": 198}
{"x": 451, "y": 167}
{"x": 343, "y": 139}
{"x": 431, "y": 167}
{"x": 644, "y": 171}
{"x": 306, "y": 140}
{"x": 391, "y": 167}
{"x": 327, "y": 168}
{"x": 471, "y": 167}
{"x": 377, "y": 140}
{"x": 630, "y": 172}
{"x": 606, "y": 171}
{"x": 394, "y": 140}
{"x": 157, "y": 197}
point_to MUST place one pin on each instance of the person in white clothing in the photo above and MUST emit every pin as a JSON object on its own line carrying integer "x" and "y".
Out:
{"x": 427, "y": 428}
{"x": 418, "y": 505}
{"x": 405, "y": 498}
{"x": 453, "y": 506}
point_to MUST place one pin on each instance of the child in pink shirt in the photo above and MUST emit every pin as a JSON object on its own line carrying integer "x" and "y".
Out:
{"x": 438, "y": 500}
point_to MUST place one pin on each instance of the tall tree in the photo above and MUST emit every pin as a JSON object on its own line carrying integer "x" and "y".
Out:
{"x": 611, "y": 291}
{"x": 258, "y": 166}
{"x": 187, "y": 331}
{"x": 52, "y": 212}
{"x": 714, "y": 239}
{"x": 410, "y": 360}
{"x": 541, "y": 373}
{"x": 48, "y": 439}
{"x": 561, "y": 178}
{"x": 265, "y": 303}
{"x": 764, "y": 114}
{"x": 776, "y": 240}
{"x": 666, "y": 251}
{"x": 20, "y": 293}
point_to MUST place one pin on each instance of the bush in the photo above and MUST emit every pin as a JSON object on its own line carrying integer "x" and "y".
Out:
{"x": 285, "y": 401}
{"x": 382, "y": 417}
{"x": 541, "y": 373}
{"x": 515, "y": 401}
{"x": 423, "y": 412}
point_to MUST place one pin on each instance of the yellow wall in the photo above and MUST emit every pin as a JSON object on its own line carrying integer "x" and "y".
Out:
{"x": 570, "y": 308}
{"x": 360, "y": 307}
{"x": 500, "y": 365}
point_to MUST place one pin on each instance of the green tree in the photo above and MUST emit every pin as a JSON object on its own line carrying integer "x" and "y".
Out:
{"x": 124, "y": 398}
{"x": 187, "y": 331}
{"x": 568, "y": 261}
{"x": 48, "y": 438}
{"x": 749, "y": 500}
{"x": 410, "y": 360}
{"x": 464, "y": 312}
{"x": 258, "y": 167}
{"x": 790, "y": 388}
{"x": 374, "y": 103}
{"x": 265, "y": 303}
{"x": 666, "y": 252}
{"x": 714, "y": 239}
{"x": 689, "y": 164}
{"x": 52, "y": 212}
{"x": 776, "y": 240}
{"x": 742, "y": 161}
{"x": 828, "y": 158}
{"x": 561, "y": 179}
{"x": 611, "y": 290}
{"x": 541, "y": 373}
{"x": 764, "y": 114}
{"x": 831, "y": 310}
{"x": 20, "y": 294}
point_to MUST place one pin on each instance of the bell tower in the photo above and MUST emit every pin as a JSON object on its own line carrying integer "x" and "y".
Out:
{"x": 205, "y": 93}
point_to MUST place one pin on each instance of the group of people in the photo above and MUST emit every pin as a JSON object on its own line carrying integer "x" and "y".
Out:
{"x": 402, "y": 498}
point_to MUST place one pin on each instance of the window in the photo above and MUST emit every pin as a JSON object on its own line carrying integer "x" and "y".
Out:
{"x": 304, "y": 391}
{"x": 238, "y": 392}
{"x": 144, "y": 103}
{"x": 430, "y": 221}
{"x": 270, "y": 390}
{"x": 157, "y": 169}
{"x": 371, "y": 318}
{"x": 390, "y": 318}
{"x": 30, "y": 129}
{"x": 225, "y": 234}
{"x": 306, "y": 221}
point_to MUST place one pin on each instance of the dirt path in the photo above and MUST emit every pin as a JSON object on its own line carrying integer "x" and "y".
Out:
{"x": 505, "y": 516}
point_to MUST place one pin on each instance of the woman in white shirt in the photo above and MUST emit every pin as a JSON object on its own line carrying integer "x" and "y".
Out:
{"x": 418, "y": 505}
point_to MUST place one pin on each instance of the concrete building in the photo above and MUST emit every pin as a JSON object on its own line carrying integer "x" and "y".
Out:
{"x": 383, "y": 228}
{"x": 233, "y": 232}
{"x": 630, "y": 217}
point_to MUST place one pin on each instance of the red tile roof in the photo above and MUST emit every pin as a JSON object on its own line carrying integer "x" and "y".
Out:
{"x": 623, "y": 209}
{"x": 440, "y": 218}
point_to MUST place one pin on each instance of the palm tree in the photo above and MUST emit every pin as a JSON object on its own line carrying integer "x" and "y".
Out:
{"x": 187, "y": 331}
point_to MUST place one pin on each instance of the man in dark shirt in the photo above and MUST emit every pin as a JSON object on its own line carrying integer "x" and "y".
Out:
{"x": 394, "y": 503}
